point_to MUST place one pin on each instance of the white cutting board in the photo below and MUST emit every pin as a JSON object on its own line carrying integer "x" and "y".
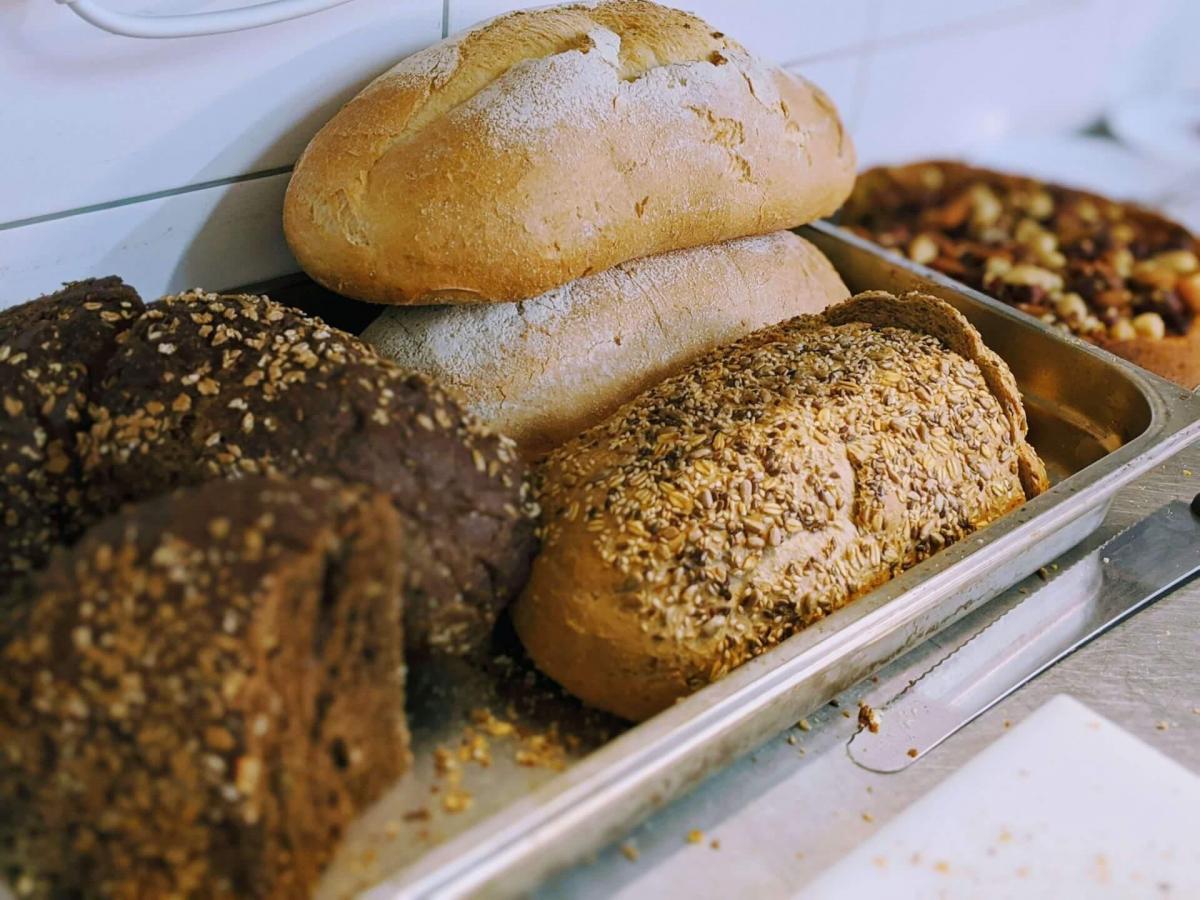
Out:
{"x": 1065, "y": 805}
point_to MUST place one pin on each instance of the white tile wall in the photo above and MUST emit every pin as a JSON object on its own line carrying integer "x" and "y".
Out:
{"x": 89, "y": 118}
{"x": 215, "y": 238}
{"x": 907, "y": 19}
{"x": 952, "y": 91}
{"x": 842, "y": 79}
{"x": 781, "y": 30}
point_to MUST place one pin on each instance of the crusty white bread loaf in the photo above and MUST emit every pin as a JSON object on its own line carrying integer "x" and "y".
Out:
{"x": 542, "y": 370}
{"x": 763, "y": 487}
{"x": 548, "y": 144}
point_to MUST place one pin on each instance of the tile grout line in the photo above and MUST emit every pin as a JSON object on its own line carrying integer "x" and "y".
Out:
{"x": 142, "y": 198}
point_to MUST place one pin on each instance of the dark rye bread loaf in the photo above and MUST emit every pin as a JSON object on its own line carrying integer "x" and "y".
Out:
{"x": 203, "y": 692}
{"x": 52, "y": 351}
{"x": 207, "y": 386}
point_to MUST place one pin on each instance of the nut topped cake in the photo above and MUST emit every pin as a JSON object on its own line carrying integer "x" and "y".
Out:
{"x": 1111, "y": 273}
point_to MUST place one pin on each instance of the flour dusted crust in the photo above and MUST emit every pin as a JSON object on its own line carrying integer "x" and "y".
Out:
{"x": 763, "y": 487}
{"x": 546, "y": 145}
{"x": 542, "y": 370}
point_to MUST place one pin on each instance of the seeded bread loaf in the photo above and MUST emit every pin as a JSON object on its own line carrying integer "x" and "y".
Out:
{"x": 549, "y": 144}
{"x": 542, "y": 370}
{"x": 207, "y": 386}
{"x": 203, "y": 692}
{"x": 763, "y": 487}
{"x": 52, "y": 354}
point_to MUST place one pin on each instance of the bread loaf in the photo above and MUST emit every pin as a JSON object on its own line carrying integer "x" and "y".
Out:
{"x": 210, "y": 386}
{"x": 549, "y": 144}
{"x": 203, "y": 693}
{"x": 763, "y": 487}
{"x": 53, "y": 351}
{"x": 542, "y": 370}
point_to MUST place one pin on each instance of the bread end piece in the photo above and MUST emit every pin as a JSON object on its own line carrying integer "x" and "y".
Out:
{"x": 203, "y": 693}
{"x": 932, "y": 315}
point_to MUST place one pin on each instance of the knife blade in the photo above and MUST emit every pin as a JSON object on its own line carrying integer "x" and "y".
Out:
{"x": 1114, "y": 581}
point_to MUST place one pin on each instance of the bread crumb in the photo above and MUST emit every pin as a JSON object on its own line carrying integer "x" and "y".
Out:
{"x": 542, "y": 751}
{"x": 868, "y": 718}
{"x": 942, "y": 866}
{"x": 443, "y": 761}
{"x": 715, "y": 844}
{"x": 487, "y": 722}
{"x": 1163, "y": 725}
{"x": 475, "y": 748}
{"x": 791, "y": 739}
{"x": 867, "y": 817}
{"x": 695, "y": 836}
{"x": 803, "y": 725}
{"x": 456, "y": 800}
{"x": 913, "y": 752}
{"x": 629, "y": 851}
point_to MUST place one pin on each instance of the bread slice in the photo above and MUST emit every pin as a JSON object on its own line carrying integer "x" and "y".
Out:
{"x": 203, "y": 692}
{"x": 763, "y": 487}
{"x": 549, "y": 144}
{"x": 542, "y": 370}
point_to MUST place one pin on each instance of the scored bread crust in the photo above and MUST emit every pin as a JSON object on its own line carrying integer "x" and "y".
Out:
{"x": 542, "y": 370}
{"x": 545, "y": 145}
{"x": 763, "y": 487}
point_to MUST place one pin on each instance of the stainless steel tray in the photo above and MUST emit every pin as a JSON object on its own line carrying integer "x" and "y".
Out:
{"x": 1096, "y": 420}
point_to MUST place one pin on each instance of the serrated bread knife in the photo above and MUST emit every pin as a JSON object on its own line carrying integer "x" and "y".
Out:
{"x": 1114, "y": 581}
